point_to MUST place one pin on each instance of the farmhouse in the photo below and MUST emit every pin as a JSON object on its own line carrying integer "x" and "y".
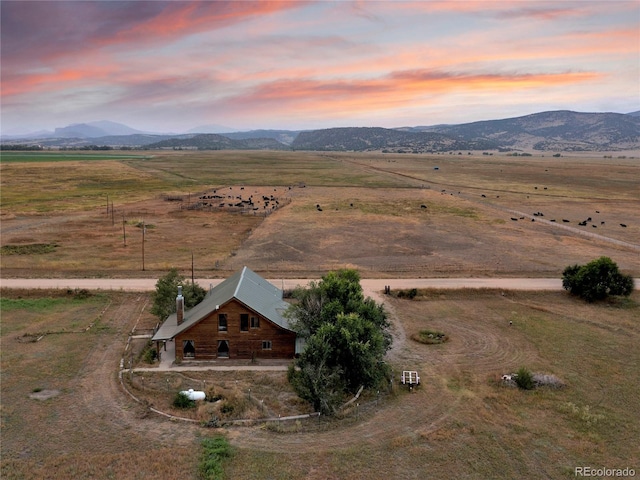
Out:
{"x": 242, "y": 317}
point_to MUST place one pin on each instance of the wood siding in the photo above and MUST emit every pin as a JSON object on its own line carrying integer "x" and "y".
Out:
{"x": 242, "y": 344}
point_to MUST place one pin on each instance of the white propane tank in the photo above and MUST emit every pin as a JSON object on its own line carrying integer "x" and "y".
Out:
{"x": 194, "y": 394}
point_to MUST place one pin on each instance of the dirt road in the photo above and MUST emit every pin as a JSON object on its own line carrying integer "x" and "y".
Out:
{"x": 146, "y": 284}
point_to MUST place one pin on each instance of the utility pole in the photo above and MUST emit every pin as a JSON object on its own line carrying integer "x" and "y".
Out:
{"x": 143, "y": 232}
{"x": 192, "y": 282}
{"x": 124, "y": 230}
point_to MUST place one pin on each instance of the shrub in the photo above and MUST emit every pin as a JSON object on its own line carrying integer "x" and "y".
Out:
{"x": 212, "y": 395}
{"x": 583, "y": 413}
{"x": 596, "y": 280}
{"x": 81, "y": 294}
{"x": 182, "y": 401}
{"x": 150, "y": 355}
{"x": 410, "y": 294}
{"x": 524, "y": 379}
{"x": 213, "y": 422}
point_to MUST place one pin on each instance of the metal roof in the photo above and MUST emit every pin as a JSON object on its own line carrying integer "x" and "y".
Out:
{"x": 247, "y": 287}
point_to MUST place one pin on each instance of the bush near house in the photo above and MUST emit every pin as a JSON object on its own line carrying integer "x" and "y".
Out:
{"x": 182, "y": 401}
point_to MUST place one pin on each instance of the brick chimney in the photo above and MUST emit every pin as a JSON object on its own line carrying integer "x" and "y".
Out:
{"x": 179, "y": 306}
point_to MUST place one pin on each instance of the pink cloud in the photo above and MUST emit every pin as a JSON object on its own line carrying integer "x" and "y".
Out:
{"x": 399, "y": 89}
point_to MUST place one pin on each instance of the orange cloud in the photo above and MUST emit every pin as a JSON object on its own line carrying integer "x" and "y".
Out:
{"x": 393, "y": 91}
{"x": 61, "y": 79}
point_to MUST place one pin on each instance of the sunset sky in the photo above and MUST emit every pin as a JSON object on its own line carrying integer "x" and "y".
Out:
{"x": 171, "y": 66}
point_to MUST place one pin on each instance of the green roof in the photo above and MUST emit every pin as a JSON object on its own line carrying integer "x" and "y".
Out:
{"x": 245, "y": 286}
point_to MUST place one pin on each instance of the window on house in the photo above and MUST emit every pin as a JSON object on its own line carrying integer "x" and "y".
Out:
{"x": 188, "y": 349}
{"x": 266, "y": 344}
{"x": 255, "y": 322}
{"x": 222, "y": 322}
{"x": 244, "y": 322}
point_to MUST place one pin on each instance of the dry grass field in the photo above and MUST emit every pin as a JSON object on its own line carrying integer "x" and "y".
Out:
{"x": 372, "y": 214}
{"x": 64, "y": 413}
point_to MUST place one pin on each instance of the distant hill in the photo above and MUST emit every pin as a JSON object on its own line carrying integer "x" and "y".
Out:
{"x": 553, "y": 131}
{"x": 370, "y": 139}
{"x": 211, "y": 128}
{"x": 283, "y": 136}
{"x": 212, "y": 141}
{"x": 133, "y": 141}
{"x": 94, "y": 130}
{"x": 556, "y": 131}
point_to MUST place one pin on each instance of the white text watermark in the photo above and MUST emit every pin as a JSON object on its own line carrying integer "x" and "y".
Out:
{"x": 604, "y": 472}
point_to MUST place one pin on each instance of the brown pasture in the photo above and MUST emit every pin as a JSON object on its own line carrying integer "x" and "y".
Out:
{"x": 461, "y": 422}
{"x": 65, "y": 415}
{"x": 372, "y": 216}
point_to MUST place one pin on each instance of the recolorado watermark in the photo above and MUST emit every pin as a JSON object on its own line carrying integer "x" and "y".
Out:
{"x": 604, "y": 472}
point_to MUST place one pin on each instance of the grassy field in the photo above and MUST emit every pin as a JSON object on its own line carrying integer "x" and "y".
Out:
{"x": 8, "y": 156}
{"x": 64, "y": 415}
{"x": 386, "y": 215}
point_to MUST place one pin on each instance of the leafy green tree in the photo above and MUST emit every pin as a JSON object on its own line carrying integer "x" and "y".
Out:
{"x": 164, "y": 296}
{"x": 337, "y": 292}
{"x": 347, "y": 338}
{"x": 359, "y": 347}
{"x": 313, "y": 379}
{"x": 596, "y": 280}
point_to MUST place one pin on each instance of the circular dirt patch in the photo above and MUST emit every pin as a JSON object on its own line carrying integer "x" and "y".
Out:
{"x": 430, "y": 337}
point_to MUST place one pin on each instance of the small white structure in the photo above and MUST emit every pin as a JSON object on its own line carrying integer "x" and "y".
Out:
{"x": 410, "y": 377}
{"x": 192, "y": 394}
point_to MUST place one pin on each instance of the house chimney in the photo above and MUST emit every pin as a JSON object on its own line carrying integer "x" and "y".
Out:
{"x": 179, "y": 306}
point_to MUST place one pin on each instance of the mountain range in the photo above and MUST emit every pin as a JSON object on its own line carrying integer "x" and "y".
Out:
{"x": 546, "y": 131}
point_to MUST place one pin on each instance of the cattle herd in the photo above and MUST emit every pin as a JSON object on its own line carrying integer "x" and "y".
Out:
{"x": 262, "y": 204}
{"x": 583, "y": 223}
{"x": 239, "y": 202}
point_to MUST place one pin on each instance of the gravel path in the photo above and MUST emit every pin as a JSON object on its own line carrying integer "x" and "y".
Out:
{"x": 368, "y": 285}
